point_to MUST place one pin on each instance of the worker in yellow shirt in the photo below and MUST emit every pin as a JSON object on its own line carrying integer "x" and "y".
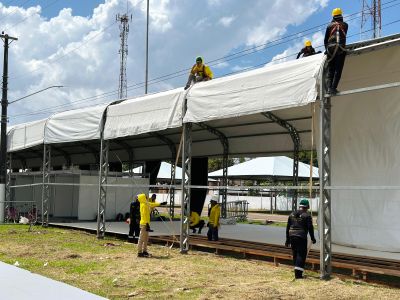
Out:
{"x": 199, "y": 72}
{"x": 213, "y": 223}
{"x": 196, "y": 222}
{"x": 145, "y": 209}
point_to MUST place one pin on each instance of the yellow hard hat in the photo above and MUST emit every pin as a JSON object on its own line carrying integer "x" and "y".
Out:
{"x": 307, "y": 43}
{"x": 336, "y": 12}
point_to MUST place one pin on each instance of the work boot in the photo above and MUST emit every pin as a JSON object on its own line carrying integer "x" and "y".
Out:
{"x": 146, "y": 254}
{"x": 140, "y": 254}
{"x": 298, "y": 274}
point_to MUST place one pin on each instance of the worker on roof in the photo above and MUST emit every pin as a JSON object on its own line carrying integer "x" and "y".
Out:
{"x": 299, "y": 225}
{"x": 199, "y": 72}
{"x": 145, "y": 208}
{"x": 196, "y": 222}
{"x": 213, "y": 222}
{"x": 335, "y": 45}
{"x": 308, "y": 50}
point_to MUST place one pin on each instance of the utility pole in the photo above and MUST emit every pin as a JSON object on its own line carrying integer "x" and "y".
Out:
{"x": 4, "y": 103}
{"x": 147, "y": 48}
{"x": 371, "y": 9}
{"x": 123, "y": 53}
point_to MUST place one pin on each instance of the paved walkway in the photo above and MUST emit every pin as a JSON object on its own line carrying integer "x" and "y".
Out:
{"x": 20, "y": 284}
{"x": 245, "y": 232}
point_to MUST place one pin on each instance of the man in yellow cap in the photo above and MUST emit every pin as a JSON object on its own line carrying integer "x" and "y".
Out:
{"x": 308, "y": 50}
{"x": 199, "y": 72}
{"x": 335, "y": 45}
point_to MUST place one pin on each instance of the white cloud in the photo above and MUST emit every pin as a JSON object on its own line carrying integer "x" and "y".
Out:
{"x": 82, "y": 52}
{"x": 226, "y": 21}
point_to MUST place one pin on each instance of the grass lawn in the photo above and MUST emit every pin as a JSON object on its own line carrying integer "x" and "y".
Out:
{"x": 111, "y": 269}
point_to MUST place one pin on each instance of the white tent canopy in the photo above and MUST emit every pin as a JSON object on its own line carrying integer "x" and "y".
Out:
{"x": 26, "y": 135}
{"x": 263, "y": 167}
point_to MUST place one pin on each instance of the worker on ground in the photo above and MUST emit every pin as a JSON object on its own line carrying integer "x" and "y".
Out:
{"x": 298, "y": 227}
{"x": 145, "y": 208}
{"x": 154, "y": 212}
{"x": 335, "y": 46}
{"x": 199, "y": 72}
{"x": 213, "y": 223}
{"x": 134, "y": 220}
{"x": 308, "y": 50}
{"x": 196, "y": 222}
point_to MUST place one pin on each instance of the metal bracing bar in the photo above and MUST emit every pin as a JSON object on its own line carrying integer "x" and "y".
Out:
{"x": 172, "y": 148}
{"x": 225, "y": 155}
{"x": 8, "y": 205}
{"x": 186, "y": 181}
{"x": 325, "y": 180}
{"x": 294, "y": 134}
{"x": 103, "y": 173}
{"x": 90, "y": 149}
{"x": 66, "y": 155}
{"x": 368, "y": 89}
{"x": 45, "y": 184}
{"x": 128, "y": 148}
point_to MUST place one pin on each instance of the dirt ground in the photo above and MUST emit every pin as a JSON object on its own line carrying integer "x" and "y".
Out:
{"x": 110, "y": 268}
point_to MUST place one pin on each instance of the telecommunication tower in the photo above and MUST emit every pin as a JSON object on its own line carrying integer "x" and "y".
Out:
{"x": 371, "y": 10}
{"x": 123, "y": 53}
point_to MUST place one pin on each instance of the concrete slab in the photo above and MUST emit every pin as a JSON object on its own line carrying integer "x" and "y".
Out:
{"x": 17, "y": 283}
{"x": 245, "y": 232}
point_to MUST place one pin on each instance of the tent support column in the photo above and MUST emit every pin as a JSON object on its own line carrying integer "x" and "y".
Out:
{"x": 225, "y": 146}
{"x": 45, "y": 184}
{"x": 296, "y": 148}
{"x": 103, "y": 173}
{"x": 186, "y": 182}
{"x": 325, "y": 180}
{"x": 172, "y": 148}
{"x": 8, "y": 183}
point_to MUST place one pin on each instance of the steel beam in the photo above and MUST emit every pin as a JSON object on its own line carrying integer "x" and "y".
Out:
{"x": 186, "y": 181}
{"x": 325, "y": 180}
{"x": 225, "y": 155}
{"x": 172, "y": 148}
{"x": 294, "y": 134}
{"x": 45, "y": 184}
{"x": 368, "y": 89}
{"x": 103, "y": 173}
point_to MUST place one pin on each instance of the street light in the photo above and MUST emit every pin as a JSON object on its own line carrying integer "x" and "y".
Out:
{"x": 37, "y": 92}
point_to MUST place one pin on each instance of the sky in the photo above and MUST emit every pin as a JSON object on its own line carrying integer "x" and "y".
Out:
{"x": 75, "y": 43}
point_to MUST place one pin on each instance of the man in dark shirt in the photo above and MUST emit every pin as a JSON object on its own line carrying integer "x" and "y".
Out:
{"x": 335, "y": 46}
{"x": 134, "y": 220}
{"x": 308, "y": 50}
{"x": 298, "y": 227}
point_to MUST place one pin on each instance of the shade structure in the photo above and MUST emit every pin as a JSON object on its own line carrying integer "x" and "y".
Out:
{"x": 261, "y": 168}
{"x": 26, "y": 135}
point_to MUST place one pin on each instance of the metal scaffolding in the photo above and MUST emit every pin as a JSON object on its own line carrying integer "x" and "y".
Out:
{"x": 186, "y": 181}
{"x": 103, "y": 173}
{"x": 296, "y": 147}
{"x": 45, "y": 184}
{"x": 225, "y": 155}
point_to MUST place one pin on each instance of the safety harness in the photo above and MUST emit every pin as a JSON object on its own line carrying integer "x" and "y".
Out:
{"x": 334, "y": 38}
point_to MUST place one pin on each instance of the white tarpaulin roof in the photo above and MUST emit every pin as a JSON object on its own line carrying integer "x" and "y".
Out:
{"x": 74, "y": 125}
{"x": 273, "y": 87}
{"x": 149, "y": 113}
{"x": 25, "y": 135}
{"x": 261, "y": 167}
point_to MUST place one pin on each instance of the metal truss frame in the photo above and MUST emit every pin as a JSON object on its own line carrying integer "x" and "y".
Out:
{"x": 103, "y": 174}
{"x": 296, "y": 148}
{"x": 186, "y": 182}
{"x": 225, "y": 155}
{"x": 325, "y": 225}
{"x": 45, "y": 184}
{"x": 8, "y": 205}
{"x": 172, "y": 148}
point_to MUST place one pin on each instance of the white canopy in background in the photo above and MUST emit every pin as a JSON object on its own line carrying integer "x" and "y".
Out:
{"x": 278, "y": 86}
{"x": 145, "y": 114}
{"x": 74, "y": 125}
{"x": 278, "y": 166}
{"x": 25, "y": 135}
{"x": 165, "y": 171}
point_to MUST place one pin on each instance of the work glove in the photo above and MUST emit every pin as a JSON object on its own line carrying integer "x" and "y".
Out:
{"x": 186, "y": 87}
{"x": 287, "y": 243}
{"x": 163, "y": 203}
{"x": 313, "y": 241}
